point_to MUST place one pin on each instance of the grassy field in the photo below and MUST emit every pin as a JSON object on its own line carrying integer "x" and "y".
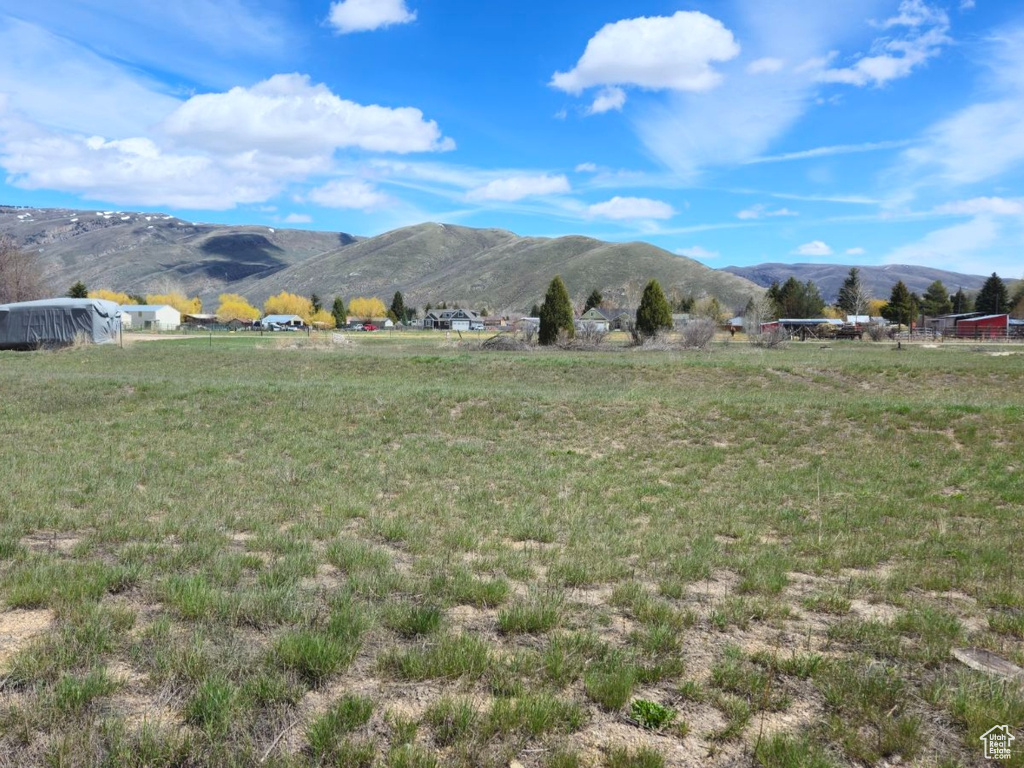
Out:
{"x": 406, "y": 552}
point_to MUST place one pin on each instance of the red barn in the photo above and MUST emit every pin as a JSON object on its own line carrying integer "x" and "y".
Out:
{"x": 984, "y": 327}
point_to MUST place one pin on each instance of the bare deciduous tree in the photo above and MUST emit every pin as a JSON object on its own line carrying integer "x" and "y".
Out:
{"x": 21, "y": 274}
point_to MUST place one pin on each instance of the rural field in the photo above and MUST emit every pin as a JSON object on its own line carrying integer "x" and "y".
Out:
{"x": 407, "y": 552}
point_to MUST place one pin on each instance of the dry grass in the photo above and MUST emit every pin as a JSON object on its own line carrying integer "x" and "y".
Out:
{"x": 413, "y": 555}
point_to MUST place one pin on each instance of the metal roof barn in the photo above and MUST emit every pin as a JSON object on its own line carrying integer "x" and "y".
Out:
{"x": 984, "y": 327}
{"x": 58, "y": 323}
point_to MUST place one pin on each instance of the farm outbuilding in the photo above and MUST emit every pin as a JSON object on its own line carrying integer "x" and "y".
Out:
{"x": 984, "y": 327}
{"x": 151, "y": 317}
{"x": 58, "y": 322}
{"x": 946, "y": 324}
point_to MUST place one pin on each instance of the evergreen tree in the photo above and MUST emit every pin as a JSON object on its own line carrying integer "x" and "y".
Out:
{"x": 398, "y": 307}
{"x": 339, "y": 312}
{"x": 654, "y": 314}
{"x": 535, "y": 310}
{"x": 137, "y": 299}
{"x": 315, "y": 301}
{"x": 901, "y": 307}
{"x": 593, "y": 300}
{"x": 795, "y": 299}
{"x": 852, "y": 298}
{"x": 78, "y": 291}
{"x": 936, "y": 300}
{"x": 993, "y": 298}
{"x": 962, "y": 302}
{"x": 683, "y": 304}
{"x": 555, "y": 313}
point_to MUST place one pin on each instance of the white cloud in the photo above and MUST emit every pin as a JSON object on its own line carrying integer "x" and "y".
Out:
{"x": 287, "y": 116}
{"x": 298, "y": 218}
{"x": 607, "y": 100}
{"x": 915, "y": 13}
{"x": 626, "y": 208}
{"x": 957, "y": 247}
{"x": 515, "y": 188}
{"x": 761, "y": 211}
{"x": 741, "y": 118}
{"x": 983, "y": 140}
{"x": 349, "y": 193}
{"x": 896, "y": 57}
{"x": 366, "y": 15}
{"x": 696, "y": 252}
{"x": 58, "y": 84}
{"x": 215, "y": 42}
{"x": 586, "y": 168}
{"x": 998, "y": 206}
{"x": 765, "y": 66}
{"x": 855, "y": 251}
{"x": 977, "y": 143}
{"x": 130, "y": 172}
{"x": 836, "y": 149}
{"x": 656, "y": 52}
{"x": 813, "y": 248}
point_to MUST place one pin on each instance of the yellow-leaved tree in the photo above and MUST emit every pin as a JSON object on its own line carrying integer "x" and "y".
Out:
{"x": 289, "y": 304}
{"x": 235, "y": 307}
{"x": 367, "y": 309}
{"x": 875, "y": 307}
{"x": 115, "y": 296}
{"x": 177, "y": 300}
{"x": 322, "y": 319}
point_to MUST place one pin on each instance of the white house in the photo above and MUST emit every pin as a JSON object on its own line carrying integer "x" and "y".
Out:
{"x": 150, "y": 317}
{"x": 291, "y": 321}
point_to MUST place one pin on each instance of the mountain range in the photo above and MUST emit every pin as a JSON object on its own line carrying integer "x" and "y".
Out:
{"x": 156, "y": 253}
{"x": 492, "y": 268}
{"x": 877, "y": 281}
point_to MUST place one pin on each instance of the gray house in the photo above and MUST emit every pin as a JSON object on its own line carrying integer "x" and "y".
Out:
{"x": 607, "y": 319}
{"x": 453, "y": 320}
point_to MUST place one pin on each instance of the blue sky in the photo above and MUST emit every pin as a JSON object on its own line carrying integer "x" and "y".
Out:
{"x": 731, "y": 131}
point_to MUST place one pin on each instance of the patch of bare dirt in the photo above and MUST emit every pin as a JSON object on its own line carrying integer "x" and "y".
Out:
{"x": 720, "y": 585}
{"x": 18, "y": 627}
{"x": 467, "y": 618}
{"x": 603, "y": 735}
{"x": 874, "y": 611}
{"x": 595, "y": 597}
{"x": 50, "y": 541}
{"x": 882, "y": 571}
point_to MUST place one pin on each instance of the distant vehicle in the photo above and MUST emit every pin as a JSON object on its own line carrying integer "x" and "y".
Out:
{"x": 474, "y": 326}
{"x": 370, "y": 327}
{"x": 356, "y": 327}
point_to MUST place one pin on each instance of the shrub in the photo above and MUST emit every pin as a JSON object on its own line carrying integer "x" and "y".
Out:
{"x": 776, "y": 337}
{"x": 697, "y": 334}
{"x": 877, "y": 332}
